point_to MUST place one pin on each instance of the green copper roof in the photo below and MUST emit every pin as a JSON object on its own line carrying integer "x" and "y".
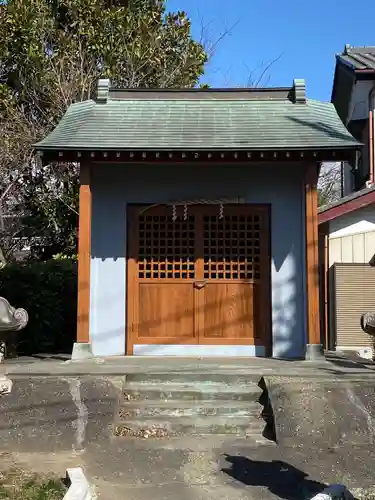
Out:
{"x": 262, "y": 119}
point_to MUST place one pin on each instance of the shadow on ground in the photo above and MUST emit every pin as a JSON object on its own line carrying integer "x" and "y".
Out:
{"x": 280, "y": 478}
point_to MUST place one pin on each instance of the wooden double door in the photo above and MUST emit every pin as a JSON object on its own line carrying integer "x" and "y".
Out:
{"x": 198, "y": 274}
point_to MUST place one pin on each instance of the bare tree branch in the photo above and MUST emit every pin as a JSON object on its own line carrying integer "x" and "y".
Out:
{"x": 329, "y": 184}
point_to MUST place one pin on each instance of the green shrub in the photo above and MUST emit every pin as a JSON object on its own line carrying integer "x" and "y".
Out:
{"x": 63, "y": 256}
{"x": 47, "y": 290}
{"x": 16, "y": 485}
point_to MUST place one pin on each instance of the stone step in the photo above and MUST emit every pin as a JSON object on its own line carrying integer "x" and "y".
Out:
{"x": 203, "y": 443}
{"x": 182, "y": 426}
{"x": 222, "y": 377}
{"x": 189, "y": 409}
{"x": 190, "y": 392}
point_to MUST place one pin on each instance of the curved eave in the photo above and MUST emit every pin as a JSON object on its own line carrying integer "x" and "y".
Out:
{"x": 355, "y": 145}
{"x": 284, "y": 155}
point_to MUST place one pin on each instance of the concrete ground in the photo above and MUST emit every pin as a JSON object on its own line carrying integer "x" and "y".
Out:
{"x": 333, "y": 365}
{"x": 60, "y": 414}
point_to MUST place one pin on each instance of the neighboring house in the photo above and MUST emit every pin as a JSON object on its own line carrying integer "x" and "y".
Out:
{"x": 347, "y": 227}
{"x": 198, "y": 226}
{"x": 353, "y": 96}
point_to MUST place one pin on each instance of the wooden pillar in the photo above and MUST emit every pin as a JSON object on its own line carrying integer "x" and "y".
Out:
{"x": 325, "y": 288}
{"x": 84, "y": 255}
{"x": 314, "y": 347}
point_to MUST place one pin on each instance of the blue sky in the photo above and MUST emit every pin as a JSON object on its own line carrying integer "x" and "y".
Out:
{"x": 302, "y": 36}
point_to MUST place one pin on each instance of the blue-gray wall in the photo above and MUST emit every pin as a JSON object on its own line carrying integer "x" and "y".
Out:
{"x": 113, "y": 186}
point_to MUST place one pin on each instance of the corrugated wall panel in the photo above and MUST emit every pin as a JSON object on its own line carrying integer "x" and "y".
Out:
{"x": 354, "y": 294}
{"x": 369, "y": 245}
{"x": 356, "y": 248}
{"x": 359, "y": 248}
{"x": 334, "y": 251}
{"x": 347, "y": 249}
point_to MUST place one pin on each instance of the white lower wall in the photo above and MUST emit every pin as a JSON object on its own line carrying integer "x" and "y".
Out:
{"x": 199, "y": 350}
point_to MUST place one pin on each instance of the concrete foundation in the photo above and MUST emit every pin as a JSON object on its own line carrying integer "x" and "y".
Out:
{"x": 81, "y": 350}
{"x": 314, "y": 352}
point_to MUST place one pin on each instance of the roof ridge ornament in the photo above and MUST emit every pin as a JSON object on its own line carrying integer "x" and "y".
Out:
{"x": 299, "y": 91}
{"x": 104, "y": 85}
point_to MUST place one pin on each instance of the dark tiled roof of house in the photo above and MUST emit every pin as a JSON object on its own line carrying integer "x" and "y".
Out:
{"x": 346, "y": 199}
{"x": 358, "y": 58}
{"x": 351, "y": 203}
{"x": 196, "y": 119}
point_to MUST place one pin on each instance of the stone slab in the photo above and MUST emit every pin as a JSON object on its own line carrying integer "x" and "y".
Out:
{"x": 191, "y": 392}
{"x": 326, "y": 413}
{"x": 152, "y": 408}
{"x": 227, "y": 469}
{"x": 80, "y": 488}
{"x": 56, "y": 414}
{"x": 188, "y": 426}
{"x": 5, "y": 385}
{"x": 208, "y": 378}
